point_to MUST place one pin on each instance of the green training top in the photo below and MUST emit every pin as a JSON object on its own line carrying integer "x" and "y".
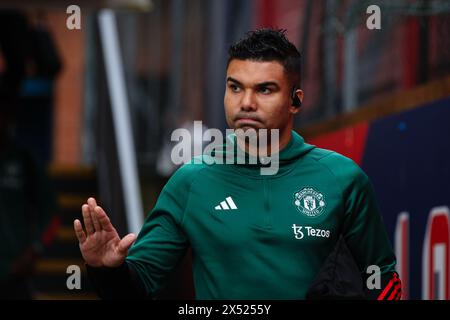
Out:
{"x": 259, "y": 236}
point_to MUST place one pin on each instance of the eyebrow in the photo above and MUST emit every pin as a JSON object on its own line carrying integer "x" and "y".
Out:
{"x": 262, "y": 84}
{"x": 233, "y": 80}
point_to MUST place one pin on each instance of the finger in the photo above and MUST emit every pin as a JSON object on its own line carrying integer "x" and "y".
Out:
{"x": 81, "y": 236}
{"x": 87, "y": 219}
{"x": 103, "y": 219}
{"x": 92, "y": 205}
{"x": 95, "y": 220}
{"x": 126, "y": 242}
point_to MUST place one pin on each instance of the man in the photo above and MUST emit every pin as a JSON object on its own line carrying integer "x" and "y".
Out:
{"x": 252, "y": 236}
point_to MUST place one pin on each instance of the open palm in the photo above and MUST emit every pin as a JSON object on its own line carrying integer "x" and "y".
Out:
{"x": 100, "y": 244}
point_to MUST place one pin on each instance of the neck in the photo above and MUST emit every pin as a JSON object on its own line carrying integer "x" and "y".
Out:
{"x": 284, "y": 138}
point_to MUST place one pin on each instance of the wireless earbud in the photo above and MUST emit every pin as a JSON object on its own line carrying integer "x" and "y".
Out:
{"x": 296, "y": 102}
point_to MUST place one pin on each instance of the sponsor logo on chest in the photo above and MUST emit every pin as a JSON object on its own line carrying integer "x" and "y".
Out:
{"x": 301, "y": 231}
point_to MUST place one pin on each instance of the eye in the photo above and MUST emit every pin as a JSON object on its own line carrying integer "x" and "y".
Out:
{"x": 264, "y": 90}
{"x": 234, "y": 87}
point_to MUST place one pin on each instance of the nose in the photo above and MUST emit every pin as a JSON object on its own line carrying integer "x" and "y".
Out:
{"x": 248, "y": 102}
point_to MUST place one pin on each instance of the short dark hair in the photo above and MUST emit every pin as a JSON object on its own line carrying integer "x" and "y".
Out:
{"x": 269, "y": 44}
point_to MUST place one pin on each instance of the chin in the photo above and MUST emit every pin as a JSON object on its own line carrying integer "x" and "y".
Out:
{"x": 247, "y": 131}
{"x": 249, "y": 128}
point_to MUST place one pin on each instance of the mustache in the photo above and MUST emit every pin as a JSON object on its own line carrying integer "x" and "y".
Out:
{"x": 243, "y": 115}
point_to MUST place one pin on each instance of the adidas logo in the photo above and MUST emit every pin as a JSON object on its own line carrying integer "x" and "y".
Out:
{"x": 227, "y": 204}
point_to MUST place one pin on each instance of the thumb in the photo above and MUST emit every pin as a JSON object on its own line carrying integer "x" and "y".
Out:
{"x": 126, "y": 242}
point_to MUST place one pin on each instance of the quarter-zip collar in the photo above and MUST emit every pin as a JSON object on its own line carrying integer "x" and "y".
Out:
{"x": 251, "y": 165}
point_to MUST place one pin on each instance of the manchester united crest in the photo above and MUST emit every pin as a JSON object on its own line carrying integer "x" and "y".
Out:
{"x": 309, "y": 202}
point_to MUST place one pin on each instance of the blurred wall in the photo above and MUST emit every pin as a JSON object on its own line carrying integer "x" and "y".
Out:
{"x": 68, "y": 90}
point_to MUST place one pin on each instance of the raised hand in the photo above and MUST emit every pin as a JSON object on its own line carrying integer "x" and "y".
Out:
{"x": 100, "y": 244}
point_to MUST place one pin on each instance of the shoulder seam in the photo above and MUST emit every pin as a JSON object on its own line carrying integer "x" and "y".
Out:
{"x": 330, "y": 152}
{"x": 332, "y": 173}
{"x": 366, "y": 182}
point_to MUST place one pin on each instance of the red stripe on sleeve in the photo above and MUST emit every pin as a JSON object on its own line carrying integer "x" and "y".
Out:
{"x": 391, "y": 283}
{"x": 397, "y": 289}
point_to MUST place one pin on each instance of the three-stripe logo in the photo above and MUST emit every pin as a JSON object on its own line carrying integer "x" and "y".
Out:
{"x": 227, "y": 204}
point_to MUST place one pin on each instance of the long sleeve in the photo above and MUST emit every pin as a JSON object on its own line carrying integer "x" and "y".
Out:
{"x": 159, "y": 248}
{"x": 117, "y": 283}
{"x": 162, "y": 242}
{"x": 366, "y": 237}
{"x": 364, "y": 231}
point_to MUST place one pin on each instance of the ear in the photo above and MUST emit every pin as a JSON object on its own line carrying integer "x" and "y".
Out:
{"x": 299, "y": 94}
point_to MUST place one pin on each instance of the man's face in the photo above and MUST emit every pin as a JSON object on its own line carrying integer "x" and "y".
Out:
{"x": 258, "y": 95}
